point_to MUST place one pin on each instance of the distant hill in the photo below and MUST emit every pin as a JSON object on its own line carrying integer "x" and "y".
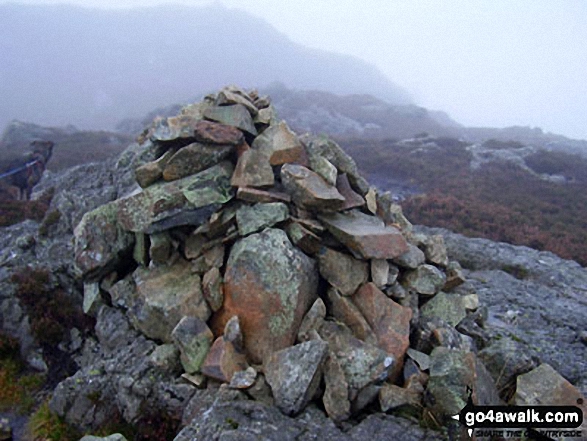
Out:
{"x": 92, "y": 68}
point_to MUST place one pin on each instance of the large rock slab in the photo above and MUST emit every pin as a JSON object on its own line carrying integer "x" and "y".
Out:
{"x": 270, "y": 285}
{"x": 236, "y": 116}
{"x": 365, "y": 236}
{"x": 187, "y": 201}
{"x": 194, "y": 158}
{"x": 164, "y": 295}
{"x": 294, "y": 374}
{"x": 309, "y": 190}
{"x": 279, "y": 143}
{"x": 100, "y": 242}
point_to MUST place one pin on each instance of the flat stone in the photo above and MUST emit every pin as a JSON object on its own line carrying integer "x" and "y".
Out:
{"x": 223, "y": 361}
{"x": 379, "y": 272}
{"x": 363, "y": 364}
{"x": 279, "y": 144}
{"x": 100, "y": 242}
{"x": 389, "y": 321}
{"x": 251, "y": 219}
{"x": 270, "y": 285}
{"x": 392, "y": 397}
{"x": 243, "y": 379}
{"x": 177, "y": 127}
{"x": 193, "y": 338}
{"x": 164, "y": 295}
{"x": 345, "y": 311}
{"x": 303, "y": 238}
{"x": 411, "y": 259}
{"x": 187, "y": 201}
{"x": 422, "y": 359}
{"x": 256, "y": 195}
{"x": 236, "y": 116}
{"x": 312, "y": 320}
{"x": 365, "y": 236}
{"x": 212, "y": 289}
{"x": 309, "y": 190}
{"x": 425, "y": 280}
{"x": 352, "y": 198}
{"x": 294, "y": 374}
{"x": 151, "y": 172}
{"x": 342, "y": 271}
{"x": 197, "y": 380}
{"x": 454, "y": 276}
{"x": 448, "y": 307}
{"x": 227, "y": 97}
{"x": 194, "y": 158}
{"x": 324, "y": 168}
{"x": 209, "y": 132}
{"x": 336, "y": 391}
{"x": 253, "y": 170}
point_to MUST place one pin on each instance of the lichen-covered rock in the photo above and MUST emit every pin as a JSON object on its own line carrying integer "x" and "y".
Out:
{"x": 253, "y": 170}
{"x": 193, "y": 338}
{"x": 251, "y": 219}
{"x": 426, "y": 280}
{"x": 270, "y": 285}
{"x": 194, "y": 158}
{"x": 342, "y": 271}
{"x": 309, "y": 190}
{"x": 449, "y": 307}
{"x": 294, "y": 374}
{"x": 235, "y": 115}
{"x": 279, "y": 144}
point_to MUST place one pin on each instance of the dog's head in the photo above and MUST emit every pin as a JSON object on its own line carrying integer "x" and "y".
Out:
{"x": 43, "y": 148}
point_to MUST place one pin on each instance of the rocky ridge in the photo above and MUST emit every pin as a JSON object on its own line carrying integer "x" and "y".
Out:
{"x": 255, "y": 268}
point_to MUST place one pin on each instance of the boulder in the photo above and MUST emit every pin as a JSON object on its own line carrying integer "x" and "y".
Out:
{"x": 270, "y": 285}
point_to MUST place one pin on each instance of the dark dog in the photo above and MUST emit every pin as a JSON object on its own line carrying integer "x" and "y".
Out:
{"x": 26, "y": 172}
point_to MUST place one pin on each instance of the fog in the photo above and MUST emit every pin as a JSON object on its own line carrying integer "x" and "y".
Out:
{"x": 487, "y": 63}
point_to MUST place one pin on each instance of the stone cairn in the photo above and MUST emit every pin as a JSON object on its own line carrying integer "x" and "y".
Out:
{"x": 273, "y": 267}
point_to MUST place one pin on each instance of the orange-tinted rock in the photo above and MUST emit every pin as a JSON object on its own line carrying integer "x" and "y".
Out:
{"x": 210, "y": 132}
{"x": 366, "y": 236}
{"x": 279, "y": 143}
{"x": 223, "y": 361}
{"x": 270, "y": 285}
{"x": 389, "y": 320}
{"x": 352, "y": 198}
{"x": 345, "y": 311}
{"x": 253, "y": 170}
{"x": 309, "y": 190}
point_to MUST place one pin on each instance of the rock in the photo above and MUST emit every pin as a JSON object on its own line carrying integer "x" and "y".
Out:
{"x": 505, "y": 360}
{"x": 164, "y": 295}
{"x": 309, "y": 190}
{"x": 187, "y": 201}
{"x": 227, "y": 97}
{"x": 236, "y": 116}
{"x": 392, "y": 397}
{"x": 379, "y": 272}
{"x": 294, "y": 374}
{"x": 251, "y": 219}
{"x": 336, "y": 391}
{"x": 243, "y": 379}
{"x": 149, "y": 173}
{"x": 435, "y": 250}
{"x": 197, "y": 380}
{"x": 392, "y": 213}
{"x": 165, "y": 357}
{"x": 389, "y": 321}
{"x": 426, "y": 280}
{"x": 352, "y": 199}
{"x": 304, "y": 239}
{"x": 279, "y": 144}
{"x": 363, "y": 364}
{"x": 160, "y": 248}
{"x": 270, "y": 285}
{"x": 342, "y": 271}
{"x": 255, "y": 195}
{"x": 371, "y": 199}
{"x": 223, "y": 361}
{"x": 208, "y": 132}
{"x": 365, "y": 236}
{"x": 451, "y": 371}
{"x": 253, "y": 170}
{"x": 92, "y": 298}
{"x": 194, "y": 158}
{"x": 178, "y": 127}
{"x": 193, "y": 338}
{"x": 113, "y": 437}
{"x": 421, "y": 359}
{"x": 214, "y": 257}
{"x": 345, "y": 311}
{"x": 411, "y": 259}
{"x": 448, "y": 307}
{"x": 325, "y": 169}
{"x": 212, "y": 289}
{"x": 312, "y": 320}
{"x": 100, "y": 242}
{"x": 141, "y": 249}
{"x": 454, "y": 276}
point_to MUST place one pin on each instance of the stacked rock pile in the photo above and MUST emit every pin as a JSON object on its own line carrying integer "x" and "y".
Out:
{"x": 272, "y": 266}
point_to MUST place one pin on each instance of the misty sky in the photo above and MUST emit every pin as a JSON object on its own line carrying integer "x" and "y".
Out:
{"x": 486, "y": 62}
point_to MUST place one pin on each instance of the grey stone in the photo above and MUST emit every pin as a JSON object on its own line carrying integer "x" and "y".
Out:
{"x": 411, "y": 259}
{"x": 449, "y": 307}
{"x": 194, "y": 158}
{"x": 279, "y": 144}
{"x": 342, "y": 271}
{"x": 194, "y": 339}
{"x": 251, "y": 219}
{"x": 309, "y": 190}
{"x": 324, "y": 168}
{"x": 235, "y": 115}
{"x": 379, "y": 272}
{"x": 426, "y": 280}
{"x": 92, "y": 298}
{"x": 312, "y": 320}
{"x": 253, "y": 170}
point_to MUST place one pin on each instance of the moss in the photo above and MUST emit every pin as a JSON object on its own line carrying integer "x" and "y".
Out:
{"x": 45, "y": 425}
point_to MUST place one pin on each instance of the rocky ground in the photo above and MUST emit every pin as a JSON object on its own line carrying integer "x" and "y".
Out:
{"x": 257, "y": 287}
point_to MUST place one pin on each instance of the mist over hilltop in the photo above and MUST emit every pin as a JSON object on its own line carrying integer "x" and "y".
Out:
{"x": 91, "y": 68}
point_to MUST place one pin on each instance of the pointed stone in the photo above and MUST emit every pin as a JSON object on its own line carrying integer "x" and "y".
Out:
{"x": 194, "y": 339}
{"x": 379, "y": 272}
{"x": 227, "y": 97}
{"x": 294, "y": 374}
{"x": 336, "y": 391}
{"x": 426, "y": 280}
{"x": 309, "y": 190}
{"x": 342, "y": 271}
{"x": 92, "y": 299}
{"x": 365, "y": 235}
{"x": 352, "y": 198}
{"x": 345, "y": 311}
{"x": 304, "y": 239}
{"x": 454, "y": 276}
{"x": 251, "y": 219}
{"x": 209, "y": 132}
{"x": 270, "y": 285}
{"x": 371, "y": 199}
{"x": 235, "y": 115}
{"x": 255, "y": 195}
{"x": 223, "y": 361}
{"x": 448, "y": 307}
{"x": 212, "y": 289}
{"x": 279, "y": 144}
{"x": 392, "y": 213}
{"x": 194, "y": 158}
{"x": 312, "y": 320}
{"x": 411, "y": 259}
{"x": 253, "y": 170}
{"x": 324, "y": 168}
